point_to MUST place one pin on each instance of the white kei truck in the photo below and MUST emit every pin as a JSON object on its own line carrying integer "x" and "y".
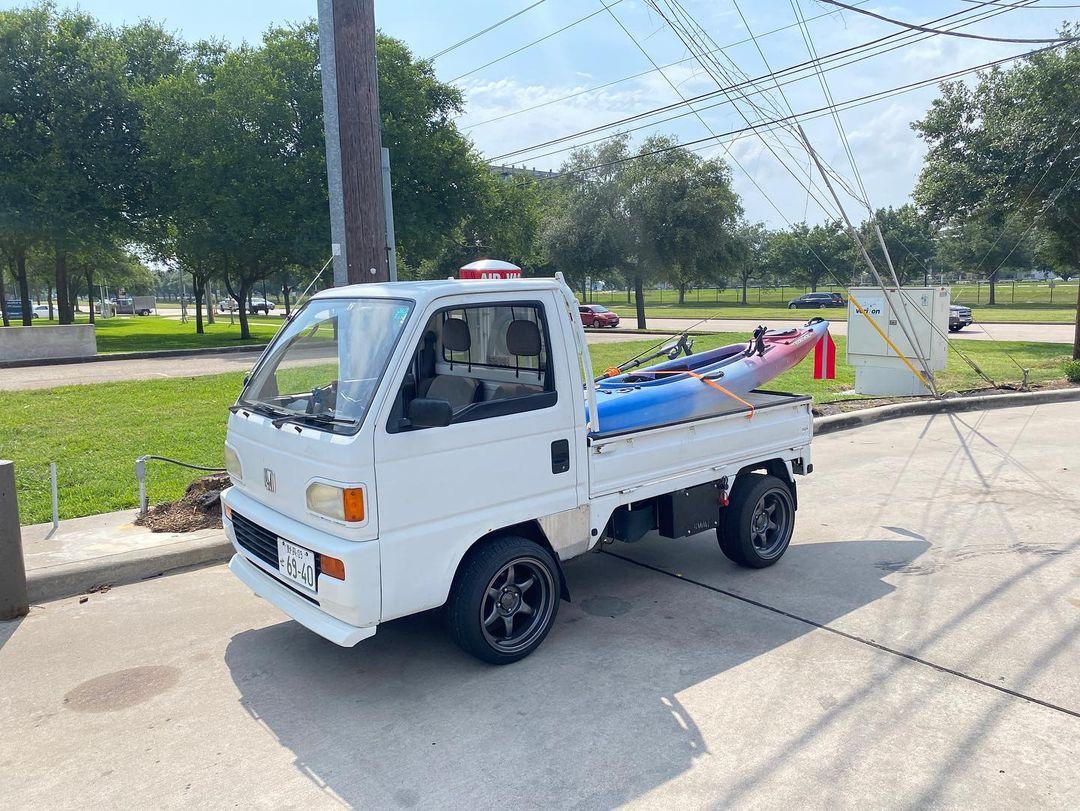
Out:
{"x": 408, "y": 446}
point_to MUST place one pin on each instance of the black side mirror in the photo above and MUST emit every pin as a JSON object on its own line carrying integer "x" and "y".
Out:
{"x": 428, "y": 412}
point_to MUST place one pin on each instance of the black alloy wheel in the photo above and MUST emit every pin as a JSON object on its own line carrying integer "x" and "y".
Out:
{"x": 504, "y": 600}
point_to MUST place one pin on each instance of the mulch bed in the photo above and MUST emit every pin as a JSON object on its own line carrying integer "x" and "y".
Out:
{"x": 200, "y": 508}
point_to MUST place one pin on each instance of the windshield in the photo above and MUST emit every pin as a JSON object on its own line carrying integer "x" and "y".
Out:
{"x": 599, "y": 308}
{"x": 324, "y": 367}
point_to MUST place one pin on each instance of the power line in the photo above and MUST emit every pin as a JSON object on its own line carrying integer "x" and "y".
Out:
{"x": 913, "y": 27}
{"x": 479, "y": 34}
{"x": 857, "y": 53}
{"x": 632, "y": 76}
{"x": 849, "y": 104}
{"x": 535, "y": 41}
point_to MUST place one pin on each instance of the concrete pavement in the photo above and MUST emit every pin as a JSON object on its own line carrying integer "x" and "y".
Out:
{"x": 916, "y": 647}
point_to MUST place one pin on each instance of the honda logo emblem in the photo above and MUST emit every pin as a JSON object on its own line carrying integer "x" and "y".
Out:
{"x": 269, "y": 481}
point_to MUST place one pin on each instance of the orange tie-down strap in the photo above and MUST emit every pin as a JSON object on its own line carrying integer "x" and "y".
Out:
{"x": 708, "y": 382}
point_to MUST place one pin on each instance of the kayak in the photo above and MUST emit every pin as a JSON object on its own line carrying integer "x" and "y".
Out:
{"x": 703, "y": 384}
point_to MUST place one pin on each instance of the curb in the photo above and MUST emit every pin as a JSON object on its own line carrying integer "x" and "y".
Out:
{"x": 156, "y": 353}
{"x": 869, "y": 416}
{"x": 71, "y": 579}
{"x": 68, "y": 580}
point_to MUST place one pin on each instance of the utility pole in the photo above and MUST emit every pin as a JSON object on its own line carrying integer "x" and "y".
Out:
{"x": 353, "y": 141}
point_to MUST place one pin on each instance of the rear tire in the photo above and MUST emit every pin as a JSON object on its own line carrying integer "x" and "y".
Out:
{"x": 792, "y": 307}
{"x": 756, "y": 526}
{"x": 504, "y": 600}
{"x": 597, "y": 323}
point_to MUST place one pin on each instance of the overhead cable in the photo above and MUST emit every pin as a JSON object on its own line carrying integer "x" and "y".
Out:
{"x": 914, "y": 27}
{"x": 481, "y": 33}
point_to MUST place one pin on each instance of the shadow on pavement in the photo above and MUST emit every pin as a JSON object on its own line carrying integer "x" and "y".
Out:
{"x": 406, "y": 719}
{"x": 7, "y": 630}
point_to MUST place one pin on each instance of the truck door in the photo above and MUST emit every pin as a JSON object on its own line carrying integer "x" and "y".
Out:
{"x": 507, "y": 456}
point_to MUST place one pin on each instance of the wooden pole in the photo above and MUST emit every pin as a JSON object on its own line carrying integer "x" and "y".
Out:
{"x": 353, "y": 141}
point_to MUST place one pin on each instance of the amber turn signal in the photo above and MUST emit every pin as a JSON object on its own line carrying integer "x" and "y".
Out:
{"x": 353, "y": 501}
{"x": 332, "y": 567}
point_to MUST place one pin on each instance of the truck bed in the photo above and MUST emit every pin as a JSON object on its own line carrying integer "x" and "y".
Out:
{"x": 651, "y": 461}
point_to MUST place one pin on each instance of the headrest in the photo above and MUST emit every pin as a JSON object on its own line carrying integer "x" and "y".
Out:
{"x": 455, "y": 335}
{"x": 523, "y": 338}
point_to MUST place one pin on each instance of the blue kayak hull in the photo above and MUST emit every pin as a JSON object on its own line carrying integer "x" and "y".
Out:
{"x": 674, "y": 391}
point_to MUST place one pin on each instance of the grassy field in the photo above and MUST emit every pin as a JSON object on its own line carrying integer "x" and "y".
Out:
{"x": 1024, "y": 302}
{"x": 132, "y": 334}
{"x": 95, "y": 433}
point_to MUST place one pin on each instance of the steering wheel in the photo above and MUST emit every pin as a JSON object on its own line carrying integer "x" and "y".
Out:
{"x": 323, "y": 398}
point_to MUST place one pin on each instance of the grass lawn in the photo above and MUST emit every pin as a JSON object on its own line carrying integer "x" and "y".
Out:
{"x": 134, "y": 334}
{"x": 95, "y": 432}
{"x": 1001, "y": 313}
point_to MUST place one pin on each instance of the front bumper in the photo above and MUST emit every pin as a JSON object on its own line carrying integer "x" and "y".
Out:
{"x": 307, "y": 614}
{"x": 345, "y": 611}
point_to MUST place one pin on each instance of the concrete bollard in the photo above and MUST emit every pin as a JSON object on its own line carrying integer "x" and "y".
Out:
{"x": 13, "y": 600}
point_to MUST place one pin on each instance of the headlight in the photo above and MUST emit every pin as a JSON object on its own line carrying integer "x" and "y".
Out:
{"x": 339, "y": 503}
{"x": 232, "y": 464}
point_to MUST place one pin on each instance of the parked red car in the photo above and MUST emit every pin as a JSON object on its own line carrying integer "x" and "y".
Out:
{"x": 596, "y": 315}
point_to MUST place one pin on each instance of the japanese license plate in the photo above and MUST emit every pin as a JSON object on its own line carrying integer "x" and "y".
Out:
{"x": 296, "y": 564}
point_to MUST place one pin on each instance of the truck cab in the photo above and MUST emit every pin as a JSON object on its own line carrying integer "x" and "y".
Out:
{"x": 406, "y": 446}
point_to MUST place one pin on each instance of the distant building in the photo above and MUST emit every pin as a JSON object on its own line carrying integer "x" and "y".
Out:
{"x": 506, "y": 172}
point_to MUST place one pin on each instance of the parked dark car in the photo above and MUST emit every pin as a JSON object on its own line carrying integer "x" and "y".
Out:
{"x": 596, "y": 316}
{"x": 959, "y": 317}
{"x": 817, "y": 301}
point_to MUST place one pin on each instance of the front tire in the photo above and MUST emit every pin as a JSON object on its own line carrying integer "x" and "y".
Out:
{"x": 597, "y": 323}
{"x": 756, "y": 526}
{"x": 792, "y": 307}
{"x": 504, "y": 600}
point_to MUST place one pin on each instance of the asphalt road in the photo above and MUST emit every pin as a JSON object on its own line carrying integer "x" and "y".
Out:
{"x": 917, "y": 647}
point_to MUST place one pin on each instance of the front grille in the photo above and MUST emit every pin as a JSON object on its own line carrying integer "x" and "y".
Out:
{"x": 262, "y": 543}
{"x": 258, "y": 541}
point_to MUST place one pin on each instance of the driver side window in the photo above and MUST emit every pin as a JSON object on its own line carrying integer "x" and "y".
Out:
{"x": 485, "y": 361}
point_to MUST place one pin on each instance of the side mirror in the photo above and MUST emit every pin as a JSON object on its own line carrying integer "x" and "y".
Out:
{"x": 428, "y": 412}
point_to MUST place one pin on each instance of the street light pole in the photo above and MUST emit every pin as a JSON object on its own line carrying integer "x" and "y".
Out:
{"x": 353, "y": 141}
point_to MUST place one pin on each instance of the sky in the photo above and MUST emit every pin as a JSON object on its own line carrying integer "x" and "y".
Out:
{"x": 597, "y": 51}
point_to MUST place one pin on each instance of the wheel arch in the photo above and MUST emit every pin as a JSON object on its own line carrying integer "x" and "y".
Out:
{"x": 776, "y": 467}
{"x": 526, "y": 529}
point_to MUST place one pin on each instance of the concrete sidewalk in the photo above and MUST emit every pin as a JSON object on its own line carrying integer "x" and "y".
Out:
{"x": 100, "y": 550}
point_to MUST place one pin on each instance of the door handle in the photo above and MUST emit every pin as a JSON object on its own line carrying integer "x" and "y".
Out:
{"x": 560, "y": 456}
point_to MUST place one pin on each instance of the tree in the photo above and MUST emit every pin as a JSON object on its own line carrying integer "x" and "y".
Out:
{"x": 983, "y": 247}
{"x": 806, "y": 255}
{"x": 1009, "y": 145}
{"x": 235, "y": 144}
{"x": 662, "y": 212}
{"x": 751, "y": 250}
{"x": 68, "y": 135}
{"x": 1055, "y": 251}
{"x": 911, "y": 240}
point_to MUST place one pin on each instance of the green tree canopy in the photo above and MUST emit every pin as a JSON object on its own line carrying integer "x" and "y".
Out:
{"x": 1010, "y": 146}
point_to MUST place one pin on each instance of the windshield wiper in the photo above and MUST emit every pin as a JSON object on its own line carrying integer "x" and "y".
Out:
{"x": 319, "y": 419}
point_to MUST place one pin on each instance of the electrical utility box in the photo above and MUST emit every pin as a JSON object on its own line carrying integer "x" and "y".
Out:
{"x": 878, "y": 369}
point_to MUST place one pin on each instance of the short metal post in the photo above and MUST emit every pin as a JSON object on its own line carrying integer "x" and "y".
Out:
{"x": 55, "y": 500}
{"x": 140, "y": 474}
{"x": 14, "y": 602}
